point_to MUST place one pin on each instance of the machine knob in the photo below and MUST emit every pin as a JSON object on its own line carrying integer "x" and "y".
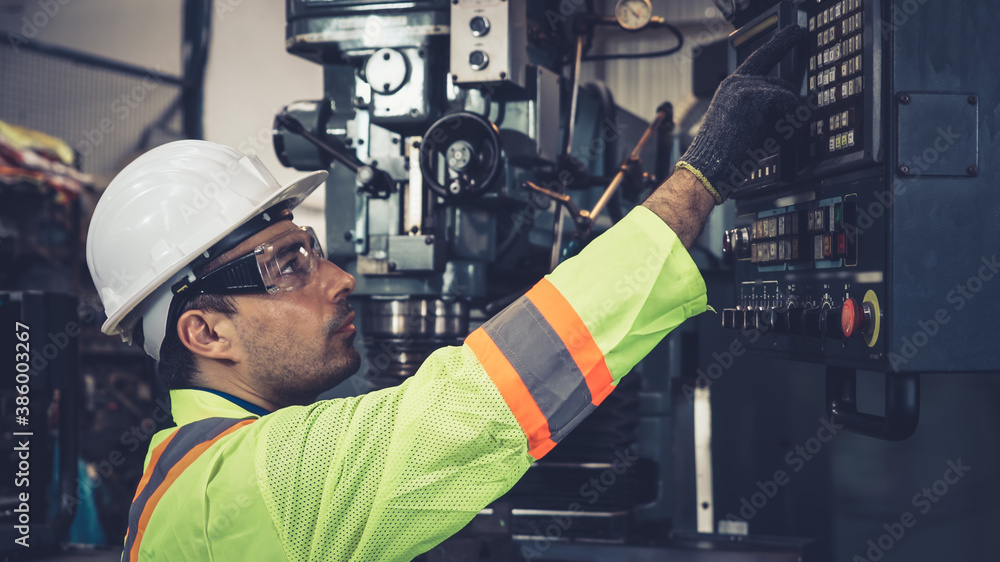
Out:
{"x": 478, "y": 60}
{"x": 739, "y": 242}
{"x": 740, "y": 319}
{"x": 479, "y": 25}
{"x": 729, "y": 318}
{"x": 814, "y": 322}
{"x": 765, "y": 320}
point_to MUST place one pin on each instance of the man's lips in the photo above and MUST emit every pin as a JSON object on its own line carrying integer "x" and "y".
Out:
{"x": 348, "y": 326}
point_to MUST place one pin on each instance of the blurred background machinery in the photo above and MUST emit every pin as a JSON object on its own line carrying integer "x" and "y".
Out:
{"x": 471, "y": 148}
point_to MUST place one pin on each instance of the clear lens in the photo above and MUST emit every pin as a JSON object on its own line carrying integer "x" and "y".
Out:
{"x": 288, "y": 262}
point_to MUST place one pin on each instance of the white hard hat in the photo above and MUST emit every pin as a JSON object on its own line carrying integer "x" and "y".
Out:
{"x": 166, "y": 208}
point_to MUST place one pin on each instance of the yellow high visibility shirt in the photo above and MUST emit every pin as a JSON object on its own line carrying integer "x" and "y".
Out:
{"x": 390, "y": 474}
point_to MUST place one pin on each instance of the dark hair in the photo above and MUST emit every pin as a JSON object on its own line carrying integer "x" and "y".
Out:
{"x": 176, "y": 366}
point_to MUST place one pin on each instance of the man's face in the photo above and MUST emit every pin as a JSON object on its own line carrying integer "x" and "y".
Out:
{"x": 297, "y": 343}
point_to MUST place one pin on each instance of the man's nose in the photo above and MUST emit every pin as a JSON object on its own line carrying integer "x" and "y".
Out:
{"x": 337, "y": 283}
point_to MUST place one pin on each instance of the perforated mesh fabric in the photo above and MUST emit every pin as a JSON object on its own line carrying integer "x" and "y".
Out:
{"x": 389, "y": 475}
{"x": 647, "y": 286}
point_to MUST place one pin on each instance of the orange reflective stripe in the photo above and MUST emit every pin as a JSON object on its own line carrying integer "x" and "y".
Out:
{"x": 172, "y": 475}
{"x": 514, "y": 392}
{"x": 152, "y": 464}
{"x": 575, "y": 336}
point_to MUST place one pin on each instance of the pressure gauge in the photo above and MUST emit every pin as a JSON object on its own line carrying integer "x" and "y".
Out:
{"x": 633, "y": 15}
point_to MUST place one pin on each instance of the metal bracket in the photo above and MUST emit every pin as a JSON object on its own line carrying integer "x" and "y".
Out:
{"x": 902, "y": 404}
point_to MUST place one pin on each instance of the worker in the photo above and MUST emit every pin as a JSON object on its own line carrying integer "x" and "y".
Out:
{"x": 196, "y": 258}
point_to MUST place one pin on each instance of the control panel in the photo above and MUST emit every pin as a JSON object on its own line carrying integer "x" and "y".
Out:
{"x": 488, "y": 41}
{"x": 839, "y": 55}
{"x": 858, "y": 241}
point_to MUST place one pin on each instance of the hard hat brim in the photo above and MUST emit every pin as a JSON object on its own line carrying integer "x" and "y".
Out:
{"x": 293, "y": 194}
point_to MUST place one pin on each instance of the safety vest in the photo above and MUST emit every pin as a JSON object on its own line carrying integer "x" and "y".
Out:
{"x": 175, "y": 453}
{"x": 390, "y": 474}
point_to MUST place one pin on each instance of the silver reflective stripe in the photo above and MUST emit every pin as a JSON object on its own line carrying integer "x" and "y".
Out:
{"x": 544, "y": 364}
{"x": 186, "y": 438}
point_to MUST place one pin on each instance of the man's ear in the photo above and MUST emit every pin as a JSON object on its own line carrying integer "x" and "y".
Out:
{"x": 208, "y": 334}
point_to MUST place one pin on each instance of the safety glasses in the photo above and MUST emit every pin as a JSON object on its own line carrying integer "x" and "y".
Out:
{"x": 286, "y": 263}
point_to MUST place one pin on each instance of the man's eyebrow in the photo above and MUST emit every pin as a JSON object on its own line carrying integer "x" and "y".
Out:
{"x": 228, "y": 256}
{"x": 291, "y": 247}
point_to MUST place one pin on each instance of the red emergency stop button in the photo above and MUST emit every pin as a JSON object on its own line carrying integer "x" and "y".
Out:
{"x": 851, "y": 317}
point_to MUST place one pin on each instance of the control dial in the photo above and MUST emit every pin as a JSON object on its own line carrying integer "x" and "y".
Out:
{"x": 633, "y": 15}
{"x": 736, "y": 243}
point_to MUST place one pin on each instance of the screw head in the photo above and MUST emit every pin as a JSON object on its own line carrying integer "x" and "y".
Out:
{"x": 904, "y": 98}
{"x": 429, "y": 240}
{"x": 348, "y": 236}
{"x": 904, "y": 170}
{"x": 973, "y": 170}
{"x": 392, "y": 266}
{"x": 973, "y": 100}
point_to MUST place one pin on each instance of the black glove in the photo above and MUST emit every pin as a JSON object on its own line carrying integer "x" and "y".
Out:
{"x": 742, "y": 115}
